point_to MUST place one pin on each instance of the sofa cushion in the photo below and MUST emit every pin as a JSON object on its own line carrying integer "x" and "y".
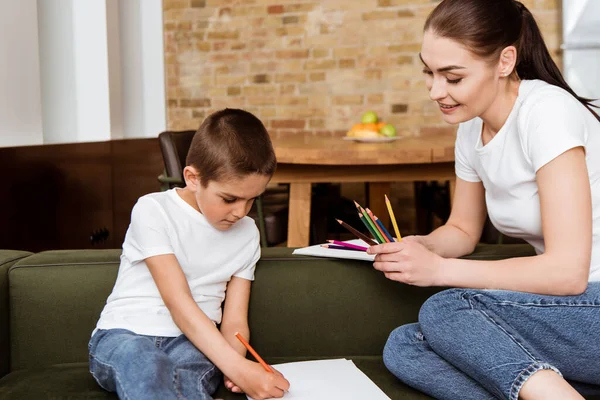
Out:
{"x": 73, "y": 381}
{"x": 55, "y": 300}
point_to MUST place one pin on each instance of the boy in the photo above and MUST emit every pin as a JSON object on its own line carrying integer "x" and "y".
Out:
{"x": 186, "y": 249}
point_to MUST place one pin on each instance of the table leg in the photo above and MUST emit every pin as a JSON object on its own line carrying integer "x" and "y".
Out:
{"x": 377, "y": 190}
{"x": 299, "y": 215}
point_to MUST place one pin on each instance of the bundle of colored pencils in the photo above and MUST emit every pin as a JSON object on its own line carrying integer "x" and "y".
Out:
{"x": 375, "y": 227}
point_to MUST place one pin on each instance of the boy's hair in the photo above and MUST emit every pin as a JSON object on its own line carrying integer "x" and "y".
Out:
{"x": 231, "y": 143}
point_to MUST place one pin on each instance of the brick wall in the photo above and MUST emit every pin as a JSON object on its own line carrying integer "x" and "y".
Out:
{"x": 310, "y": 67}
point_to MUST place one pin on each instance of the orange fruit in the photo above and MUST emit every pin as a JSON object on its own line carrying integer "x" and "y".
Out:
{"x": 370, "y": 127}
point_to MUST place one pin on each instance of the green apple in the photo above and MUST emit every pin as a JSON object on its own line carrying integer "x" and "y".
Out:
{"x": 370, "y": 117}
{"x": 388, "y": 130}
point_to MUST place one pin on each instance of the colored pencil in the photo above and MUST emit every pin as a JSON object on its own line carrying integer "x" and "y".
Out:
{"x": 391, "y": 211}
{"x": 369, "y": 219}
{"x": 258, "y": 358}
{"x": 383, "y": 230}
{"x": 356, "y": 233}
{"x": 349, "y": 245}
{"x": 365, "y": 220}
{"x": 378, "y": 225}
{"x": 336, "y": 247}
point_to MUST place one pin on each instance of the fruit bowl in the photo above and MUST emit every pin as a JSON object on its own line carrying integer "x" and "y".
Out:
{"x": 372, "y": 130}
{"x": 380, "y": 139}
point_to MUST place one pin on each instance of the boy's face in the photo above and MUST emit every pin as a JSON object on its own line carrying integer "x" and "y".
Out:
{"x": 224, "y": 203}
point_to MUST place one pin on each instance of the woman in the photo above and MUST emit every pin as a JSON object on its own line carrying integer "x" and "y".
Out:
{"x": 527, "y": 154}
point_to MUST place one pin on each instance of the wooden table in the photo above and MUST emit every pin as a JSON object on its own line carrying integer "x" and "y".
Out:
{"x": 304, "y": 160}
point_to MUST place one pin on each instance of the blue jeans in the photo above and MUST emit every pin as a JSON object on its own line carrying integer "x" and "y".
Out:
{"x": 484, "y": 344}
{"x": 147, "y": 367}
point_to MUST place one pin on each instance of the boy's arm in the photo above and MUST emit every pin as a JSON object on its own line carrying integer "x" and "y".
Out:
{"x": 235, "y": 314}
{"x": 186, "y": 314}
{"x": 235, "y": 319}
{"x": 201, "y": 331}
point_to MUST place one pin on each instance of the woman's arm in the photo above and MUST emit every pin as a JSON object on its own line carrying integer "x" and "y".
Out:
{"x": 563, "y": 269}
{"x": 462, "y": 231}
{"x": 202, "y": 332}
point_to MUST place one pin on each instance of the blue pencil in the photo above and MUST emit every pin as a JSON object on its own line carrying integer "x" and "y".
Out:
{"x": 385, "y": 231}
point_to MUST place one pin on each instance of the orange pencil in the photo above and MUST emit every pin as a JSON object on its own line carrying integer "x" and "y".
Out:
{"x": 253, "y": 352}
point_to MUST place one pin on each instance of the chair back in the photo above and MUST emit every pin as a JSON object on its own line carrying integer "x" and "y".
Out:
{"x": 174, "y": 146}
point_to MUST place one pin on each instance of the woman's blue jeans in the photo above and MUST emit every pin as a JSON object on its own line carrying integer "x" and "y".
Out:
{"x": 484, "y": 344}
{"x": 148, "y": 367}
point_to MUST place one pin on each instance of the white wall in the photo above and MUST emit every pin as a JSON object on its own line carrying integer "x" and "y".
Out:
{"x": 57, "y": 69}
{"x": 90, "y": 49}
{"x": 20, "y": 97}
{"x": 98, "y": 73}
{"x": 581, "y": 37}
{"x": 142, "y": 67}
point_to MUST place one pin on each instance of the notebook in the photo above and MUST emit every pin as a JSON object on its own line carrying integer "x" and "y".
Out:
{"x": 328, "y": 379}
{"x": 318, "y": 251}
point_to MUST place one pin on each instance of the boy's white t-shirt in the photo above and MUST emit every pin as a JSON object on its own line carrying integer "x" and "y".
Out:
{"x": 545, "y": 122}
{"x": 163, "y": 223}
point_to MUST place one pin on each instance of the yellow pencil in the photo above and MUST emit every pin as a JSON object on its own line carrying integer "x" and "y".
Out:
{"x": 389, "y": 207}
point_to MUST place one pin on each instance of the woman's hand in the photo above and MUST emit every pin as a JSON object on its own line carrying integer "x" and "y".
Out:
{"x": 258, "y": 383}
{"x": 407, "y": 261}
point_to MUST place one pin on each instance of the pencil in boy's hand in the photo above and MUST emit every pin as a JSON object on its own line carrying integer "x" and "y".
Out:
{"x": 389, "y": 207}
{"x": 258, "y": 358}
{"x": 356, "y": 233}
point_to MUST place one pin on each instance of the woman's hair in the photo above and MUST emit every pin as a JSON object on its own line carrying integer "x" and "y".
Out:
{"x": 231, "y": 143}
{"x": 487, "y": 27}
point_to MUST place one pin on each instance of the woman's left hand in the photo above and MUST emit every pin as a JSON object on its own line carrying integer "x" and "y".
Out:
{"x": 407, "y": 261}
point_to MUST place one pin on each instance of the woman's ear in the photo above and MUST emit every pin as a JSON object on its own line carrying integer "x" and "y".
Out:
{"x": 508, "y": 60}
{"x": 191, "y": 177}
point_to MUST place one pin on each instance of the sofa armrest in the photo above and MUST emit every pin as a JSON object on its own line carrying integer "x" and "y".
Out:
{"x": 7, "y": 259}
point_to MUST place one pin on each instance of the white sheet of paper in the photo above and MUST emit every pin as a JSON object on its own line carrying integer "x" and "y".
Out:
{"x": 319, "y": 251}
{"x": 328, "y": 379}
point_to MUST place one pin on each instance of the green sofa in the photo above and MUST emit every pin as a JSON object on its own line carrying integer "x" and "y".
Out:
{"x": 301, "y": 308}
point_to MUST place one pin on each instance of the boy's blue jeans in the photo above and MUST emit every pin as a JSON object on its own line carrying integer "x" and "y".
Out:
{"x": 484, "y": 344}
{"x": 147, "y": 367}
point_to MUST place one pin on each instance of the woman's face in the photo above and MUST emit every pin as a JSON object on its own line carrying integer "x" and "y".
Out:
{"x": 463, "y": 85}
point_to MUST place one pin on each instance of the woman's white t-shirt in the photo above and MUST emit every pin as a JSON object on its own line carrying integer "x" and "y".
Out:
{"x": 545, "y": 122}
{"x": 163, "y": 223}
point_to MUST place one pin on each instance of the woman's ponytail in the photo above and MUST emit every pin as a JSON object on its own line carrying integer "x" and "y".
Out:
{"x": 534, "y": 61}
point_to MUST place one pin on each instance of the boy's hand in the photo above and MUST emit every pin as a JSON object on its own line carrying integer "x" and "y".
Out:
{"x": 260, "y": 384}
{"x": 232, "y": 387}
